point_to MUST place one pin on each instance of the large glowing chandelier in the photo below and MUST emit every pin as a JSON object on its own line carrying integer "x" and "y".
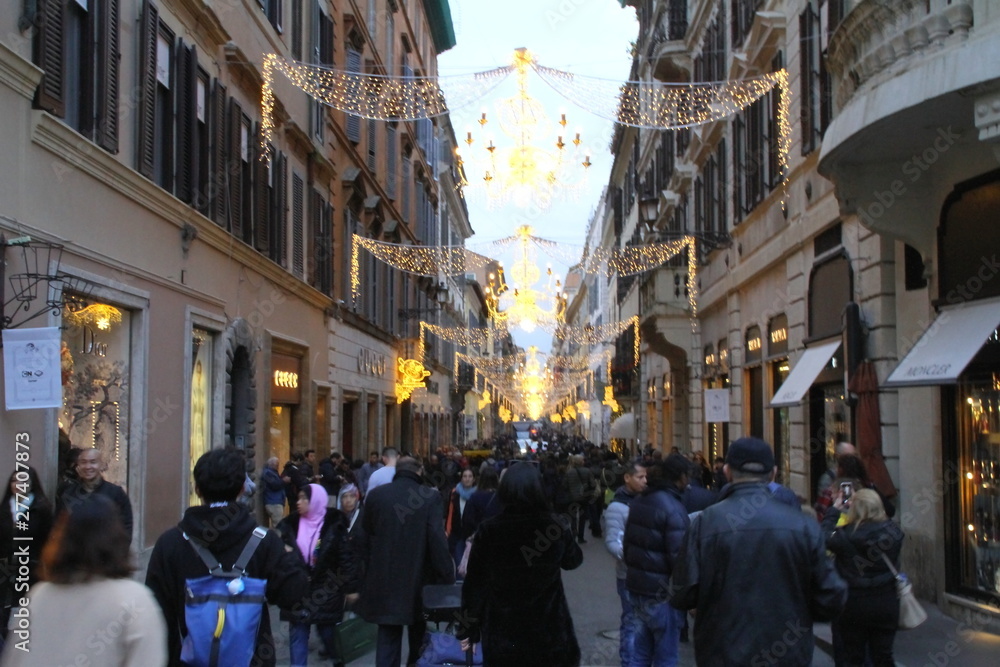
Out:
{"x": 521, "y": 306}
{"x": 539, "y": 163}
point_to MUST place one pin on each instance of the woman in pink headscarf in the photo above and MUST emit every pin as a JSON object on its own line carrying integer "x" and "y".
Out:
{"x": 319, "y": 536}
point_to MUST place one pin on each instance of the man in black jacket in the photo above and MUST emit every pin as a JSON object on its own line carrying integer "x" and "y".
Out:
{"x": 657, "y": 522}
{"x": 90, "y": 481}
{"x": 756, "y": 571}
{"x": 224, "y": 527}
{"x": 403, "y": 546}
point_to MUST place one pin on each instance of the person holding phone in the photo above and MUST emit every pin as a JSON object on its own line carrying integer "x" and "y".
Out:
{"x": 861, "y": 536}
{"x": 850, "y": 468}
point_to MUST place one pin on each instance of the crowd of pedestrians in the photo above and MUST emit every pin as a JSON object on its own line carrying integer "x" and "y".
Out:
{"x": 369, "y": 535}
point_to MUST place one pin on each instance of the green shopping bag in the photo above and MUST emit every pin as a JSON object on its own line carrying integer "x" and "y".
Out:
{"x": 355, "y": 637}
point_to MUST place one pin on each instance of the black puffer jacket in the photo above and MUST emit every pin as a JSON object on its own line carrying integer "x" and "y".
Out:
{"x": 758, "y": 574}
{"x": 333, "y": 576}
{"x": 657, "y": 522}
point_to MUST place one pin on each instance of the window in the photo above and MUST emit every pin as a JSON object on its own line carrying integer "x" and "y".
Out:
{"x": 816, "y": 93}
{"x": 202, "y": 372}
{"x": 273, "y": 11}
{"x": 322, "y": 244}
{"x": 372, "y": 20}
{"x": 390, "y": 163}
{"x": 201, "y": 174}
{"x": 278, "y": 187}
{"x": 297, "y": 30}
{"x": 755, "y": 154}
{"x": 234, "y": 173}
{"x": 322, "y": 54}
{"x": 76, "y": 44}
{"x": 743, "y": 13}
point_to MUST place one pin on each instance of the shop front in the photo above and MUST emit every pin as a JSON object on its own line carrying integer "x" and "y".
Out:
{"x": 284, "y": 437}
{"x": 364, "y": 412}
{"x": 777, "y": 369}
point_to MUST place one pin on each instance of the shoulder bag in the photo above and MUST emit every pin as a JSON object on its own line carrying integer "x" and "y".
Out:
{"x": 911, "y": 612}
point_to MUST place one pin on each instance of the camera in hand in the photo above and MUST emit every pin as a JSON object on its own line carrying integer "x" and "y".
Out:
{"x": 846, "y": 490}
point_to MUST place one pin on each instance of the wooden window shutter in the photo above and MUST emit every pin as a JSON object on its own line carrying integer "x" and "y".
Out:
{"x": 279, "y": 210}
{"x": 390, "y": 161}
{"x": 313, "y": 266}
{"x": 217, "y": 130}
{"x": 298, "y": 226}
{"x": 187, "y": 112}
{"x": 353, "y": 122}
{"x": 234, "y": 169}
{"x": 262, "y": 200}
{"x": 805, "y": 79}
{"x": 147, "y": 89}
{"x": 107, "y": 79}
{"x": 297, "y": 29}
{"x": 49, "y": 45}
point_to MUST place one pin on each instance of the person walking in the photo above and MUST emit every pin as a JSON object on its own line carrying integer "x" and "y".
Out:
{"x": 87, "y": 610}
{"x": 513, "y": 599}
{"x": 861, "y": 546}
{"x": 318, "y": 535}
{"x": 750, "y": 551}
{"x": 402, "y": 517}
{"x": 274, "y": 491}
{"x": 224, "y": 527}
{"x": 656, "y": 524}
{"x": 90, "y": 482}
{"x": 454, "y": 525}
{"x": 614, "y": 519}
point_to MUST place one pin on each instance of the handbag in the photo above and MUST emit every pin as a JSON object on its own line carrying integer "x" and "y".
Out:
{"x": 911, "y": 612}
{"x": 354, "y": 637}
{"x": 441, "y": 648}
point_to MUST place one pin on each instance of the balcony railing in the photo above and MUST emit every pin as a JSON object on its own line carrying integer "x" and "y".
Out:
{"x": 875, "y": 35}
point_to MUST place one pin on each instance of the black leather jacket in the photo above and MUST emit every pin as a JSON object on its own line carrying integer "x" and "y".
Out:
{"x": 758, "y": 574}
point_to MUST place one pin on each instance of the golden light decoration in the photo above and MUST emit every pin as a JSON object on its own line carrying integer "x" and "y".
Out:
{"x": 504, "y": 413}
{"x": 591, "y": 335}
{"x": 644, "y": 104}
{"x": 521, "y": 304}
{"x": 411, "y": 376}
{"x": 485, "y": 400}
{"x": 583, "y": 409}
{"x": 555, "y": 418}
{"x": 374, "y": 96}
{"x": 541, "y": 160}
{"x": 100, "y": 315}
{"x": 609, "y": 400}
{"x": 569, "y": 412}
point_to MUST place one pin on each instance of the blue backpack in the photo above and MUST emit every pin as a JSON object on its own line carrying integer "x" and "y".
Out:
{"x": 223, "y": 610}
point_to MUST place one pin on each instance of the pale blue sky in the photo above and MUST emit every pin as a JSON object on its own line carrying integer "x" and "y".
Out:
{"x": 586, "y": 37}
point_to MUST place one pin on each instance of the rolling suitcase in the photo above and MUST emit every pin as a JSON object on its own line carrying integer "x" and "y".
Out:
{"x": 443, "y": 604}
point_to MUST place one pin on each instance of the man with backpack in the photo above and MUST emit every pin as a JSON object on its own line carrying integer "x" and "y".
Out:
{"x": 249, "y": 566}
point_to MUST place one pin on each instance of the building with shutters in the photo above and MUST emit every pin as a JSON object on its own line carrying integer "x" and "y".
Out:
{"x": 866, "y": 308}
{"x": 203, "y": 295}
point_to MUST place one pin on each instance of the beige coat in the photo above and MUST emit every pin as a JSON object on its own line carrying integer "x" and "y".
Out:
{"x": 108, "y": 622}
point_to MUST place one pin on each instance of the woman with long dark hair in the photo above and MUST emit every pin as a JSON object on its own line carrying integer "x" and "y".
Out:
{"x": 318, "y": 534}
{"x": 26, "y": 517}
{"x": 87, "y": 609}
{"x": 862, "y": 546}
{"x": 528, "y": 545}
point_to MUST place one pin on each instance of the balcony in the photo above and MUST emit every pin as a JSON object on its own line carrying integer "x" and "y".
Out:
{"x": 665, "y": 48}
{"x": 876, "y": 37}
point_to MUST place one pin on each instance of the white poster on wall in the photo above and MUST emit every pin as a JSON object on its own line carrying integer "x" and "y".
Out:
{"x": 716, "y": 405}
{"x": 31, "y": 371}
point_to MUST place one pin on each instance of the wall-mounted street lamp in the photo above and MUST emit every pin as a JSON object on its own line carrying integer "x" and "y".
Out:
{"x": 439, "y": 293}
{"x": 649, "y": 213}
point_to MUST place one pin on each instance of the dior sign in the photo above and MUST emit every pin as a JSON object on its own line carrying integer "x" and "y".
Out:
{"x": 371, "y": 362}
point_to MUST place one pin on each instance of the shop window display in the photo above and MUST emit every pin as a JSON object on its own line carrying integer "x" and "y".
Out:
{"x": 96, "y": 375}
{"x": 202, "y": 372}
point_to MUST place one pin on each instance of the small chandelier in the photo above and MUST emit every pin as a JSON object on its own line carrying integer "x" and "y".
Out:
{"x": 100, "y": 315}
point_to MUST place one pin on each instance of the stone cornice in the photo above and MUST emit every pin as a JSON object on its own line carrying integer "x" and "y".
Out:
{"x": 18, "y": 74}
{"x": 67, "y": 145}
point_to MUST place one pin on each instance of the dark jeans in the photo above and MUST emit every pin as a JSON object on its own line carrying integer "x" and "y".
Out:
{"x": 877, "y": 641}
{"x": 580, "y": 515}
{"x": 389, "y": 644}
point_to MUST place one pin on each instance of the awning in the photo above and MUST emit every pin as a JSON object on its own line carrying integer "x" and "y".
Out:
{"x": 948, "y": 345}
{"x": 624, "y": 427}
{"x": 803, "y": 375}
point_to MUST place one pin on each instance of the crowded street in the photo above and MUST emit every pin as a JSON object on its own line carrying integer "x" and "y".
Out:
{"x": 534, "y": 333}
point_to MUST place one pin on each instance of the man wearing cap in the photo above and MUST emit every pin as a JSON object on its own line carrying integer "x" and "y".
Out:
{"x": 755, "y": 570}
{"x": 656, "y": 524}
